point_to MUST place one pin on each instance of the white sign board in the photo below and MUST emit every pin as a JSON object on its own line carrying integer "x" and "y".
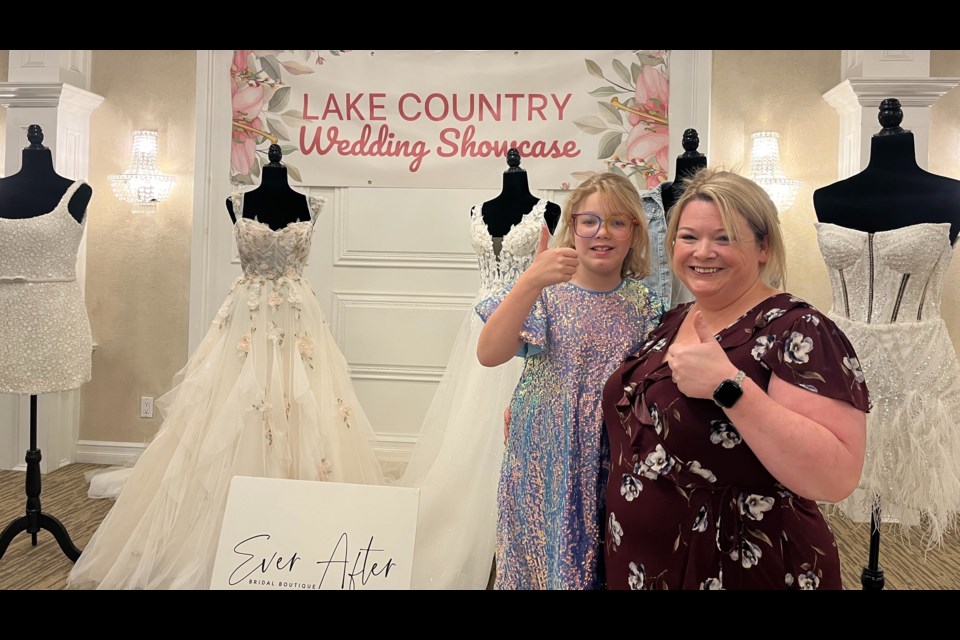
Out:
{"x": 299, "y": 534}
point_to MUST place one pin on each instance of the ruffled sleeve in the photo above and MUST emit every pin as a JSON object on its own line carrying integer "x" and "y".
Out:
{"x": 807, "y": 349}
{"x": 534, "y": 331}
{"x": 650, "y": 313}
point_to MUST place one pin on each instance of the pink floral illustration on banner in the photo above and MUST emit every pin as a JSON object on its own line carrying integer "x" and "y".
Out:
{"x": 247, "y": 106}
{"x": 260, "y": 98}
{"x": 633, "y": 124}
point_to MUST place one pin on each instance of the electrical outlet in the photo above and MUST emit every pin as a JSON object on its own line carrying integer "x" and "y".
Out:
{"x": 146, "y": 407}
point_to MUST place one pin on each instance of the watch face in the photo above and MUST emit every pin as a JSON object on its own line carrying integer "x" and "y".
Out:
{"x": 727, "y": 394}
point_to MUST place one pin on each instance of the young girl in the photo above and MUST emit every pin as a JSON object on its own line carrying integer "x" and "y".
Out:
{"x": 574, "y": 314}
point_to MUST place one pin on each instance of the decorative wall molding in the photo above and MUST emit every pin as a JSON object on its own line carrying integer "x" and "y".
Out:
{"x": 870, "y": 92}
{"x": 402, "y": 260}
{"x": 345, "y": 256}
{"x": 106, "y": 452}
{"x": 32, "y": 58}
{"x": 396, "y": 374}
{"x": 42, "y": 94}
{"x": 345, "y": 300}
{"x": 388, "y": 448}
{"x": 69, "y": 66}
{"x": 395, "y": 447}
{"x": 885, "y": 63}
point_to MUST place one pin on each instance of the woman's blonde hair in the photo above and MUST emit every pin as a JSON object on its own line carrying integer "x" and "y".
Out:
{"x": 619, "y": 195}
{"x": 735, "y": 195}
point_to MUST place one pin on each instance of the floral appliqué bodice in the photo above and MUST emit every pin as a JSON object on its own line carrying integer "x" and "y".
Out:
{"x": 893, "y": 276}
{"x": 517, "y": 250}
{"x": 268, "y": 253}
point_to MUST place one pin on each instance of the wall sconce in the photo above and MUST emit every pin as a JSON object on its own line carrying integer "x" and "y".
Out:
{"x": 142, "y": 185}
{"x": 766, "y": 171}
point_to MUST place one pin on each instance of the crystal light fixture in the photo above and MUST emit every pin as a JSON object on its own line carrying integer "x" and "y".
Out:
{"x": 766, "y": 171}
{"x": 142, "y": 185}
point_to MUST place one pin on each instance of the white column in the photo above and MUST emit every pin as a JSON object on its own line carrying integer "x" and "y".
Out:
{"x": 869, "y": 77}
{"x": 691, "y": 73}
{"x": 48, "y": 88}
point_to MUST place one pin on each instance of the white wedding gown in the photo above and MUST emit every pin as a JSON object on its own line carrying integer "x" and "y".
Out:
{"x": 456, "y": 463}
{"x": 267, "y": 393}
{"x": 886, "y": 299}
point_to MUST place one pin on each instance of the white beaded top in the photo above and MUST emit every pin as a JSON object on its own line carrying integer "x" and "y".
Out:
{"x": 890, "y": 276}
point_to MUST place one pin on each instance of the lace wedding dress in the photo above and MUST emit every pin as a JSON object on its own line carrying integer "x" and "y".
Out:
{"x": 266, "y": 393}
{"x": 886, "y": 298}
{"x": 456, "y": 463}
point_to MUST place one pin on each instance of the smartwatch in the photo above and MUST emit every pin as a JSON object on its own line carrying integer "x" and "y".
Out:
{"x": 729, "y": 391}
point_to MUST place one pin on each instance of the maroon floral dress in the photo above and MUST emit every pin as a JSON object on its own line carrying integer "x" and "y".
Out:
{"x": 689, "y": 505}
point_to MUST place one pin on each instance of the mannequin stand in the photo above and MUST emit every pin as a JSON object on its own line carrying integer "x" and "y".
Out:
{"x": 35, "y": 519}
{"x": 872, "y": 576}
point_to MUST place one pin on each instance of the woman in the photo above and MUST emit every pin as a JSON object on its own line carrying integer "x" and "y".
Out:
{"x": 742, "y": 409}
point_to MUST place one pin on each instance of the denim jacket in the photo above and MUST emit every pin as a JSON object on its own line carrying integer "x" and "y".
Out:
{"x": 661, "y": 279}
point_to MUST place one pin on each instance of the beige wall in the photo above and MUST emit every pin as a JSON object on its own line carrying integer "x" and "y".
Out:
{"x": 945, "y": 160}
{"x": 945, "y": 118}
{"x": 138, "y": 268}
{"x": 782, "y": 91}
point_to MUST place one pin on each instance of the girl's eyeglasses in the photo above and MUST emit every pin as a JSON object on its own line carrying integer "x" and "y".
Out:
{"x": 587, "y": 225}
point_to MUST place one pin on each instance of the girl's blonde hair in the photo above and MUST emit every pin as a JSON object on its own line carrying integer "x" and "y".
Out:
{"x": 621, "y": 196}
{"x": 735, "y": 195}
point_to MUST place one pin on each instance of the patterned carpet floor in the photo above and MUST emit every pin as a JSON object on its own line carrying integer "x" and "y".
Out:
{"x": 907, "y": 565}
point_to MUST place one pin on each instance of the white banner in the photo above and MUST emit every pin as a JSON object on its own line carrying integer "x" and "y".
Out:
{"x": 445, "y": 119}
{"x": 282, "y": 534}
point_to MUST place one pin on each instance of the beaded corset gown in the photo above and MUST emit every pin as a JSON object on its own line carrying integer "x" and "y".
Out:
{"x": 45, "y": 342}
{"x": 456, "y": 462}
{"x": 267, "y": 393}
{"x": 886, "y": 298}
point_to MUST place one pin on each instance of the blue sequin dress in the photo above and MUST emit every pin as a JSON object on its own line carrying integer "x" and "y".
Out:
{"x": 551, "y": 486}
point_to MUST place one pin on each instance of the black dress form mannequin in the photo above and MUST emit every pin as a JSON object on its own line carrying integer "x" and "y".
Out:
{"x": 514, "y": 201}
{"x": 35, "y": 190}
{"x": 892, "y": 191}
{"x": 273, "y": 202}
{"x": 688, "y": 163}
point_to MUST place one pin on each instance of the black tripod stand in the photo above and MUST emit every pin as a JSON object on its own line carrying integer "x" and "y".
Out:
{"x": 35, "y": 518}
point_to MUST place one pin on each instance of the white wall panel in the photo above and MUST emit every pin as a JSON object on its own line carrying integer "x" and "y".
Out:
{"x": 407, "y": 228}
{"x": 398, "y": 331}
